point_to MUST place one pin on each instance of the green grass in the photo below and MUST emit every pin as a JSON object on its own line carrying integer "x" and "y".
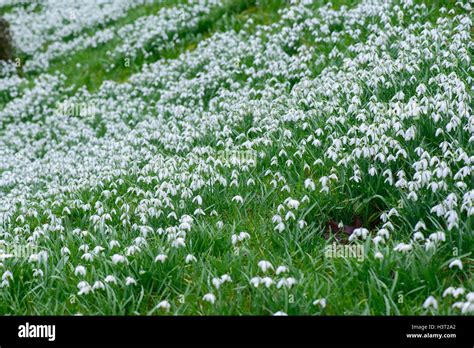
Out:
{"x": 396, "y": 285}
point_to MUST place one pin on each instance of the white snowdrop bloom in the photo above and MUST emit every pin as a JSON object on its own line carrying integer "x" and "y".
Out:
{"x": 286, "y": 282}
{"x": 456, "y": 263}
{"x": 457, "y": 305}
{"x": 378, "y": 255}
{"x": 276, "y": 219}
{"x": 418, "y": 236}
{"x": 211, "y": 298}
{"x": 197, "y": 200}
{"x": 65, "y": 251}
{"x": 164, "y": 305}
{"x": 116, "y": 259}
{"x": 113, "y": 244}
{"x": 110, "y": 279}
{"x": 292, "y": 204}
{"x": 289, "y": 215}
{"x": 302, "y": 224}
{"x": 280, "y": 227}
{"x": 320, "y": 302}
{"x": 98, "y": 285}
{"x": 216, "y": 282}
{"x": 457, "y": 292}
{"x": 255, "y": 281}
{"x": 437, "y": 237}
{"x": 383, "y": 232}
{"x": 97, "y": 250}
{"x": 420, "y": 225}
{"x": 448, "y": 291}
{"x": 7, "y": 275}
{"x": 84, "y": 288}
{"x": 185, "y": 226}
{"x": 161, "y": 258}
{"x": 226, "y": 278}
{"x": 470, "y": 297}
{"x": 237, "y": 199}
{"x": 267, "y": 281}
{"x": 38, "y": 273}
{"x": 87, "y": 257}
{"x": 219, "y": 224}
{"x": 430, "y": 302}
{"x": 264, "y": 265}
{"x": 190, "y": 258}
{"x": 80, "y": 270}
{"x": 130, "y": 281}
{"x": 377, "y": 240}
{"x": 178, "y": 242}
{"x": 281, "y": 269}
{"x": 467, "y": 307}
{"x": 402, "y": 247}
{"x": 359, "y": 233}
{"x": 280, "y": 314}
{"x": 309, "y": 184}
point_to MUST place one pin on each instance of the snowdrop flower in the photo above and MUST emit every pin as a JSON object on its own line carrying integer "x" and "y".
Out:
{"x": 237, "y": 199}
{"x": 453, "y": 292}
{"x": 190, "y": 258}
{"x": 209, "y": 298}
{"x": 280, "y": 314}
{"x": 288, "y": 282}
{"x": 240, "y": 237}
{"x": 116, "y": 259}
{"x": 281, "y": 269}
{"x": 84, "y": 288}
{"x": 216, "y": 282}
{"x": 430, "y": 302}
{"x": 7, "y": 275}
{"x": 320, "y": 302}
{"x": 164, "y": 305}
{"x": 377, "y": 240}
{"x": 219, "y": 224}
{"x": 255, "y": 281}
{"x": 178, "y": 242}
{"x": 37, "y": 273}
{"x": 98, "y": 285}
{"x": 267, "y": 281}
{"x": 65, "y": 251}
{"x": 402, "y": 247}
{"x": 359, "y": 232}
{"x": 87, "y": 257}
{"x": 80, "y": 270}
{"x": 265, "y": 265}
{"x": 110, "y": 279}
{"x": 467, "y": 307}
{"x": 456, "y": 263}
{"x": 161, "y": 258}
{"x": 226, "y": 278}
{"x": 293, "y": 204}
{"x": 378, "y": 255}
{"x": 113, "y": 244}
{"x": 302, "y": 224}
{"x": 130, "y": 281}
{"x": 470, "y": 297}
{"x": 438, "y": 236}
{"x": 309, "y": 184}
{"x": 280, "y": 227}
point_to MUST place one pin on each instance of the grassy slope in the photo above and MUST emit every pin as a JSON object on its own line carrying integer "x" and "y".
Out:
{"x": 351, "y": 287}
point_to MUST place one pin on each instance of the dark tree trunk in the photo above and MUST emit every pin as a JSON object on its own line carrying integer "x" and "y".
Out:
{"x": 6, "y": 47}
